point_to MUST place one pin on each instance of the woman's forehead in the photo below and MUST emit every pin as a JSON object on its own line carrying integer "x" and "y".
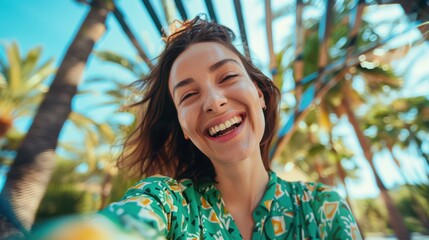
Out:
{"x": 200, "y": 57}
{"x": 206, "y": 52}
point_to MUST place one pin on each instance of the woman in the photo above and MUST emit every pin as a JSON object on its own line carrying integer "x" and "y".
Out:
{"x": 208, "y": 121}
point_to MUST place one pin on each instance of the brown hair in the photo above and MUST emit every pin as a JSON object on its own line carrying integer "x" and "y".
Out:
{"x": 157, "y": 145}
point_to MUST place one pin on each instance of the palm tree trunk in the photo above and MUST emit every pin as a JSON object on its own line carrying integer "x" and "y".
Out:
{"x": 395, "y": 217}
{"x": 31, "y": 171}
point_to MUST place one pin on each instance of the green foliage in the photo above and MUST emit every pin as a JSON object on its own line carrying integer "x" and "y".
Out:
{"x": 67, "y": 193}
{"x": 311, "y": 53}
{"x": 73, "y": 192}
{"x": 412, "y": 206}
{"x": 134, "y": 66}
{"x": 63, "y": 200}
{"x": 375, "y": 215}
{"x": 120, "y": 183}
{"x": 402, "y": 122}
{"x": 22, "y": 84}
{"x": 319, "y": 154}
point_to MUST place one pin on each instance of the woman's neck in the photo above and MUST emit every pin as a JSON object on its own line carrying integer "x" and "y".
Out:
{"x": 242, "y": 185}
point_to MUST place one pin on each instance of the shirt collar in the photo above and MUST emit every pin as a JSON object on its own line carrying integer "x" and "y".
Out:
{"x": 208, "y": 188}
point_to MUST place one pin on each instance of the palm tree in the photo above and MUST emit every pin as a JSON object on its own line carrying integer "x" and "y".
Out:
{"x": 388, "y": 121}
{"x": 22, "y": 84}
{"x": 395, "y": 217}
{"x": 391, "y": 120}
{"x": 320, "y": 159}
{"x": 338, "y": 96}
{"x": 34, "y": 163}
{"x": 418, "y": 129}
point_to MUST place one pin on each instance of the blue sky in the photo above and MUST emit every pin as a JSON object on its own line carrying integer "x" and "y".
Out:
{"x": 53, "y": 24}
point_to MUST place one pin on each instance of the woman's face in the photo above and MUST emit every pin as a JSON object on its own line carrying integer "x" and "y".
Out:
{"x": 219, "y": 107}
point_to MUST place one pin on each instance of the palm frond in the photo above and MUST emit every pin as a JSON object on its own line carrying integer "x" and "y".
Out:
{"x": 30, "y": 61}
{"x": 14, "y": 72}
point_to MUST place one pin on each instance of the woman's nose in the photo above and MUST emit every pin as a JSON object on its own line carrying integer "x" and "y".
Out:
{"x": 215, "y": 99}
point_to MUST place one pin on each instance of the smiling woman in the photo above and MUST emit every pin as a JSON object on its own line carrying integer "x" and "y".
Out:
{"x": 208, "y": 118}
{"x": 200, "y": 63}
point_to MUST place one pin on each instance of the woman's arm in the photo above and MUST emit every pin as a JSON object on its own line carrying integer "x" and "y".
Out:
{"x": 145, "y": 212}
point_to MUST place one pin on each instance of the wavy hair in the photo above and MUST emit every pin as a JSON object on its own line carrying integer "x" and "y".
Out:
{"x": 157, "y": 145}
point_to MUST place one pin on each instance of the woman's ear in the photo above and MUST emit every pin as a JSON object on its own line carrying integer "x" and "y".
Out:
{"x": 261, "y": 98}
{"x": 186, "y": 136}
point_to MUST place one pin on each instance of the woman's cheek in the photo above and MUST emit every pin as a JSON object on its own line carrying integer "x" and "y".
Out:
{"x": 186, "y": 116}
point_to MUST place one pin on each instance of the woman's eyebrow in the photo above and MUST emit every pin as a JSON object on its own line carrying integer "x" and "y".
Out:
{"x": 219, "y": 64}
{"x": 182, "y": 83}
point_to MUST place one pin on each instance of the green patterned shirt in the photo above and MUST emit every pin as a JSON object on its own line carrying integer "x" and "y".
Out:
{"x": 162, "y": 206}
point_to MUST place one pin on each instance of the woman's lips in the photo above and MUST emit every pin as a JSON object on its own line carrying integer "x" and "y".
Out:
{"x": 222, "y": 119}
{"x": 225, "y": 127}
{"x": 230, "y": 134}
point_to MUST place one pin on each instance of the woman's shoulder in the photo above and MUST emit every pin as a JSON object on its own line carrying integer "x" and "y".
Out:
{"x": 161, "y": 183}
{"x": 162, "y": 180}
{"x": 312, "y": 190}
{"x": 326, "y": 207}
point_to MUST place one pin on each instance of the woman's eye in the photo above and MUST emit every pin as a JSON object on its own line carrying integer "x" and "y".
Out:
{"x": 229, "y": 77}
{"x": 186, "y": 96}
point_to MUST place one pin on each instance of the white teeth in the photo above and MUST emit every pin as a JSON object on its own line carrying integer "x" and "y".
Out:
{"x": 225, "y": 125}
{"x": 228, "y": 124}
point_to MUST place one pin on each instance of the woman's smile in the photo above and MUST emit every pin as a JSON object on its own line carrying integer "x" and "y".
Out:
{"x": 225, "y": 127}
{"x": 227, "y": 130}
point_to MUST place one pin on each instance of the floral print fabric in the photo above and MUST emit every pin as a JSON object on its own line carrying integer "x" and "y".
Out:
{"x": 161, "y": 206}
